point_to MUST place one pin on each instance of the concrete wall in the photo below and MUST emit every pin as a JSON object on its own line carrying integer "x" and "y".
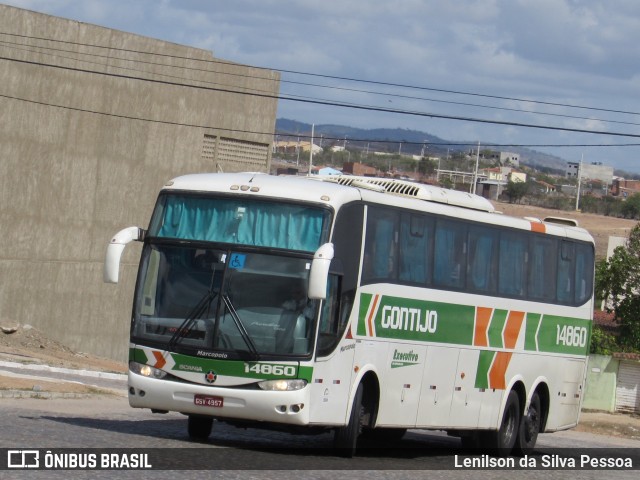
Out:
{"x": 600, "y": 392}
{"x": 83, "y": 154}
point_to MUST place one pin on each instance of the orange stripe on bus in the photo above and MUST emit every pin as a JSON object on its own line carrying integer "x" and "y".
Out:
{"x": 483, "y": 318}
{"x": 371, "y": 313}
{"x": 160, "y": 361}
{"x": 512, "y": 329}
{"x": 538, "y": 227}
{"x": 498, "y": 371}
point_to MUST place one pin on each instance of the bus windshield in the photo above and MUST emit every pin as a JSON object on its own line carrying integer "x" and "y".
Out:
{"x": 251, "y": 304}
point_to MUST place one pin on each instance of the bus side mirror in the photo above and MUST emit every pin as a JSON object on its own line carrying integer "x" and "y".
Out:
{"x": 320, "y": 272}
{"x": 115, "y": 249}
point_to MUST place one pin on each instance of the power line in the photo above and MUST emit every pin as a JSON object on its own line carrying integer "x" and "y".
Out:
{"x": 332, "y": 103}
{"x": 332, "y": 77}
{"x": 15, "y": 45}
{"x": 304, "y": 136}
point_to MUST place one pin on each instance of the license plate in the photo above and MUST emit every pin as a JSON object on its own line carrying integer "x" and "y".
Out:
{"x": 208, "y": 401}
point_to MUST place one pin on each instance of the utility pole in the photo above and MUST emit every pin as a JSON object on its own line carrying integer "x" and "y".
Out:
{"x": 579, "y": 182}
{"x": 475, "y": 173}
{"x": 311, "y": 150}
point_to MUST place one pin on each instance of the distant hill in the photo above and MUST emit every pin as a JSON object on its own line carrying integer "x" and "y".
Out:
{"x": 390, "y": 139}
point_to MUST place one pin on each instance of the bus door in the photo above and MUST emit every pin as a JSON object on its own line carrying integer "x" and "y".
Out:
{"x": 333, "y": 368}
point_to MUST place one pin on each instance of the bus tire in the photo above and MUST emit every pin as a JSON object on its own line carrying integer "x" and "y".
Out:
{"x": 529, "y": 427}
{"x": 345, "y": 439}
{"x": 198, "y": 427}
{"x": 502, "y": 441}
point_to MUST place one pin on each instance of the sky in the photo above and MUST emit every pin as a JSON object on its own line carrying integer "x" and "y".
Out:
{"x": 563, "y": 65}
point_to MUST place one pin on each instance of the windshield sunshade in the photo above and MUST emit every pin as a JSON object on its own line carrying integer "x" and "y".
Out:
{"x": 239, "y": 221}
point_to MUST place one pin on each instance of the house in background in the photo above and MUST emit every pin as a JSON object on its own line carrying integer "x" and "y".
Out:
{"x": 495, "y": 180}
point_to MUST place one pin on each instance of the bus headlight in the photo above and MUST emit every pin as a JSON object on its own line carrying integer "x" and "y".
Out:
{"x": 146, "y": 370}
{"x": 282, "y": 385}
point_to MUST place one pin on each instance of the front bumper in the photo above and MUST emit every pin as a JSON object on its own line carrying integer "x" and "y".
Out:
{"x": 289, "y": 407}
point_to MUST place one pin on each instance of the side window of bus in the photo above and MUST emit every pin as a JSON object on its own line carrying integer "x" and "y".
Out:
{"x": 583, "y": 274}
{"x": 512, "y": 264}
{"x": 415, "y": 252}
{"x": 450, "y": 254}
{"x": 566, "y": 275}
{"x": 483, "y": 247}
{"x": 381, "y": 246}
{"x": 331, "y": 326}
{"x": 342, "y": 284}
{"x": 542, "y": 268}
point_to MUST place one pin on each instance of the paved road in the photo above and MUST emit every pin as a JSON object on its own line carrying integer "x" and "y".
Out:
{"x": 108, "y": 422}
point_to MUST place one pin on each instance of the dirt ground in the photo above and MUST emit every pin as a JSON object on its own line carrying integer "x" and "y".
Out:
{"x": 599, "y": 226}
{"x": 26, "y": 344}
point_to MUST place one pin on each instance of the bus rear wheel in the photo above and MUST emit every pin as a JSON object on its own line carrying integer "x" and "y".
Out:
{"x": 502, "y": 441}
{"x": 199, "y": 428}
{"x": 529, "y": 427}
{"x": 345, "y": 438}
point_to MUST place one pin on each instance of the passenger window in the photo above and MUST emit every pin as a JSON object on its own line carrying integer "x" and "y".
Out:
{"x": 482, "y": 259}
{"x": 566, "y": 272}
{"x": 416, "y": 238}
{"x": 380, "y": 255}
{"x": 450, "y": 254}
{"x": 584, "y": 273}
{"x": 512, "y": 264}
{"x": 542, "y": 268}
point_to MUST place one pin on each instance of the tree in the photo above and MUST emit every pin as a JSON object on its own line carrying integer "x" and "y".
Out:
{"x": 618, "y": 279}
{"x": 631, "y": 206}
{"x": 426, "y": 166}
{"x": 516, "y": 190}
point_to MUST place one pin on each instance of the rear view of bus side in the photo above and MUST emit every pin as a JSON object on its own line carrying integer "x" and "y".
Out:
{"x": 365, "y": 306}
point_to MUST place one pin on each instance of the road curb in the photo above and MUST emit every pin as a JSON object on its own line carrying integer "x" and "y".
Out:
{"x": 43, "y": 395}
{"x": 48, "y": 368}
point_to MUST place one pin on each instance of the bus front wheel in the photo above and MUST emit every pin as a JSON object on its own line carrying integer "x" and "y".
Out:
{"x": 345, "y": 438}
{"x": 199, "y": 428}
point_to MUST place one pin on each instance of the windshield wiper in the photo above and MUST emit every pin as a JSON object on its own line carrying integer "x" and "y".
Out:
{"x": 195, "y": 313}
{"x": 241, "y": 328}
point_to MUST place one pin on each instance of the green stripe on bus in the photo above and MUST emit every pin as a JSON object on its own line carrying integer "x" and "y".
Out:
{"x": 496, "y": 327}
{"x": 446, "y": 323}
{"x": 564, "y": 335}
{"x": 365, "y": 302}
{"x": 232, "y": 368}
{"x": 484, "y": 364}
{"x": 137, "y": 355}
{"x": 531, "y": 329}
{"x": 401, "y": 318}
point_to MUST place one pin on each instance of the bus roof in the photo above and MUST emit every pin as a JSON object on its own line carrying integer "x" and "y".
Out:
{"x": 420, "y": 191}
{"x": 337, "y": 190}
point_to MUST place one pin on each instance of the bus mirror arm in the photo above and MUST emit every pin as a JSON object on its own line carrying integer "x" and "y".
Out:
{"x": 115, "y": 249}
{"x": 320, "y": 271}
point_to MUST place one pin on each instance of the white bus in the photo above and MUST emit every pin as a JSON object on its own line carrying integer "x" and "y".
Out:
{"x": 366, "y": 306}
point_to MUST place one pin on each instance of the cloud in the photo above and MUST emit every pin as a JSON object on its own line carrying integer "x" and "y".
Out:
{"x": 578, "y": 52}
